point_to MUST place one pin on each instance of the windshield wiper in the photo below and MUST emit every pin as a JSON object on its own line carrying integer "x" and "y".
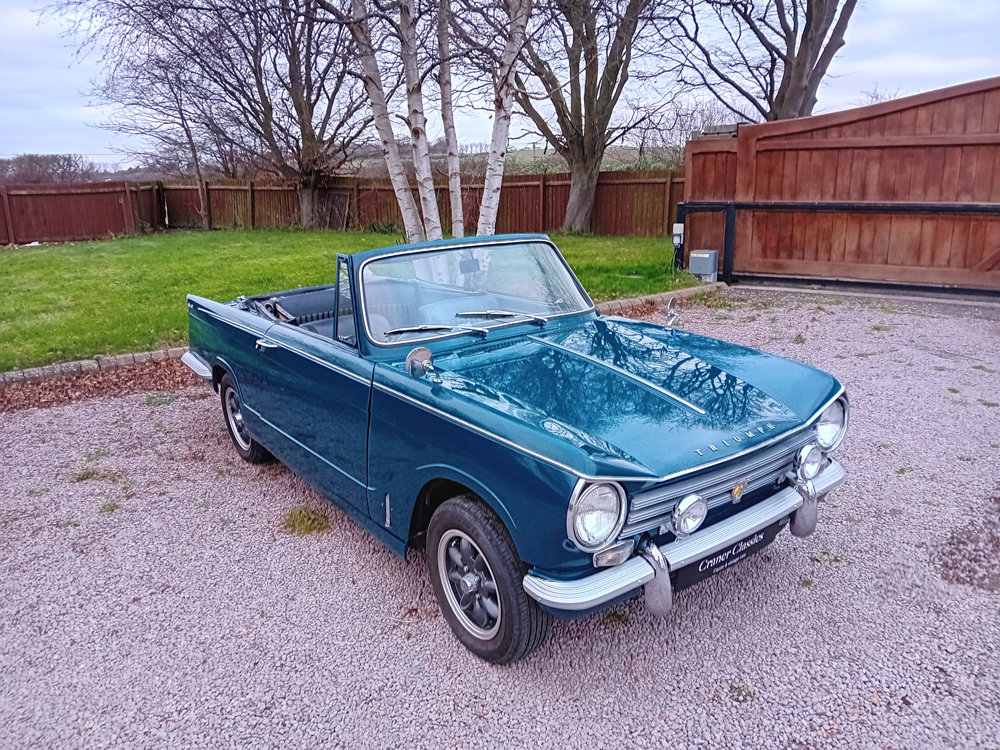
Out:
{"x": 434, "y": 327}
{"x": 501, "y": 314}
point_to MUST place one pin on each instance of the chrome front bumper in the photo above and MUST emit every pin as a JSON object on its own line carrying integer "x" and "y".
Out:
{"x": 612, "y": 583}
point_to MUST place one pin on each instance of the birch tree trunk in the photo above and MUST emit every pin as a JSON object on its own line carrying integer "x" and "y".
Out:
{"x": 448, "y": 119}
{"x": 503, "y": 102}
{"x": 416, "y": 120}
{"x": 361, "y": 31}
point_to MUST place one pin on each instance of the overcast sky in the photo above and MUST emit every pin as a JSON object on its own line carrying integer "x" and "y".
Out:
{"x": 907, "y": 45}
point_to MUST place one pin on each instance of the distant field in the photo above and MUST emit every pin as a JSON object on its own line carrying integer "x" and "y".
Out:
{"x": 79, "y": 300}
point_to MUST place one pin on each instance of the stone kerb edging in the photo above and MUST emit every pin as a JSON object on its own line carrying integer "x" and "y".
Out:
{"x": 619, "y": 306}
{"x": 121, "y": 361}
{"x": 84, "y": 366}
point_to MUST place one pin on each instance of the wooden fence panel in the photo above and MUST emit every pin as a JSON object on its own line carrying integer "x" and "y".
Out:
{"x": 275, "y": 206}
{"x": 230, "y": 207}
{"x": 61, "y": 213}
{"x": 627, "y": 203}
{"x": 182, "y": 204}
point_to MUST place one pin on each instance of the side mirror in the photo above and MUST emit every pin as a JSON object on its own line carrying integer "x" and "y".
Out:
{"x": 673, "y": 314}
{"x": 419, "y": 362}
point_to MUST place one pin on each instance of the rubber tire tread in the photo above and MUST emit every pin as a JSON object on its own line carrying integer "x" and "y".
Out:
{"x": 257, "y": 454}
{"x": 475, "y": 518}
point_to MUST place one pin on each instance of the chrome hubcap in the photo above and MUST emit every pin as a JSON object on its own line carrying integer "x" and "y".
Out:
{"x": 469, "y": 585}
{"x": 234, "y": 413}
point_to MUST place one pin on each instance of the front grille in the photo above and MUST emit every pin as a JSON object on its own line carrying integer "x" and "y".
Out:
{"x": 761, "y": 469}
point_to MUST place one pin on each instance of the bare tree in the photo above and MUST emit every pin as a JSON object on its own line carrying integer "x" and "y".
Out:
{"x": 876, "y": 96}
{"x": 480, "y": 25}
{"x": 262, "y": 82}
{"x": 43, "y": 168}
{"x": 403, "y": 32}
{"x": 416, "y": 122}
{"x": 151, "y": 96}
{"x": 579, "y": 58}
{"x": 448, "y": 119}
{"x": 763, "y": 59}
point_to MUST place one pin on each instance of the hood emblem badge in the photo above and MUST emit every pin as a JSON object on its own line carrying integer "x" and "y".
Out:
{"x": 748, "y": 435}
{"x": 738, "y": 491}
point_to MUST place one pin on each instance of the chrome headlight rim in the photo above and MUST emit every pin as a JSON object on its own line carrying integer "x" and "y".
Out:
{"x": 802, "y": 460}
{"x": 683, "y": 506}
{"x": 846, "y": 404}
{"x": 582, "y": 488}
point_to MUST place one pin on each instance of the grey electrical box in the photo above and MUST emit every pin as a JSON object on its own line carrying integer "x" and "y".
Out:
{"x": 704, "y": 264}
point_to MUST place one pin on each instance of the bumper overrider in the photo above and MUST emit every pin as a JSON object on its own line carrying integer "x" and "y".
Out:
{"x": 720, "y": 542}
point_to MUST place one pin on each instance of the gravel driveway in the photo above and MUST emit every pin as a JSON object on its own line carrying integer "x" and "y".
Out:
{"x": 149, "y": 598}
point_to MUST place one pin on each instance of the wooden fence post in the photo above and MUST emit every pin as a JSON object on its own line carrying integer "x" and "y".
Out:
{"x": 159, "y": 205}
{"x": 208, "y": 207}
{"x": 127, "y": 214}
{"x": 357, "y": 204}
{"x": 6, "y": 215}
{"x": 542, "y": 198}
{"x": 667, "y": 189}
{"x": 253, "y": 207}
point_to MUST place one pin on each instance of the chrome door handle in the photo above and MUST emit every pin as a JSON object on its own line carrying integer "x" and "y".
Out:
{"x": 262, "y": 345}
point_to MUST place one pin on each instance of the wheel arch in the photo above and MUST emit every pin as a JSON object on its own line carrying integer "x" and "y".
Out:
{"x": 221, "y": 368}
{"x": 444, "y": 486}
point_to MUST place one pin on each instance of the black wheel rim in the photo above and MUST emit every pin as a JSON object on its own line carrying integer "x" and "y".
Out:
{"x": 469, "y": 584}
{"x": 234, "y": 414}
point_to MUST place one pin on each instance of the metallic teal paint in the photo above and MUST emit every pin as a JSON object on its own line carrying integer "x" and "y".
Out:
{"x": 518, "y": 418}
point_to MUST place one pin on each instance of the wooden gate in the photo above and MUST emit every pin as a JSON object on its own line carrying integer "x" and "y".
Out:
{"x": 903, "y": 191}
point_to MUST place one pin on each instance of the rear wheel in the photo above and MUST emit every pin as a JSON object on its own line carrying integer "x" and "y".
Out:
{"x": 477, "y": 576}
{"x": 232, "y": 409}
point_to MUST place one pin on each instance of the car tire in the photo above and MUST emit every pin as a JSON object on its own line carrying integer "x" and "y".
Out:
{"x": 232, "y": 411}
{"x": 477, "y": 578}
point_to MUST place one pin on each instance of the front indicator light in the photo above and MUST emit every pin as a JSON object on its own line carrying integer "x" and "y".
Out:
{"x": 616, "y": 554}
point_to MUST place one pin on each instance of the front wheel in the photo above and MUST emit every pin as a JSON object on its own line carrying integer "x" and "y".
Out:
{"x": 477, "y": 575}
{"x": 232, "y": 409}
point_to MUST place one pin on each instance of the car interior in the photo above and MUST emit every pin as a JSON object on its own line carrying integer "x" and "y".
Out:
{"x": 391, "y": 303}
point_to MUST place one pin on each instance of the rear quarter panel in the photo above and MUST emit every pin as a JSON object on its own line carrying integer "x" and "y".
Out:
{"x": 224, "y": 337}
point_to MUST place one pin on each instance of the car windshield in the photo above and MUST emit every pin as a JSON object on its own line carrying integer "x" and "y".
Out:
{"x": 423, "y": 295}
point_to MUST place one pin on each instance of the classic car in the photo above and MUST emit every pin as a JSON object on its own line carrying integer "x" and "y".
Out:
{"x": 465, "y": 399}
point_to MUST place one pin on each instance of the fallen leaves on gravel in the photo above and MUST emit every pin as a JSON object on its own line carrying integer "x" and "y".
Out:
{"x": 165, "y": 376}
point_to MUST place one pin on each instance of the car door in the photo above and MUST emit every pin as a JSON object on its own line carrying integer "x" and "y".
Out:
{"x": 317, "y": 397}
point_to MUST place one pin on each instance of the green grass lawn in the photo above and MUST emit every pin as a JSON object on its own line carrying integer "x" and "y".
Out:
{"x": 79, "y": 300}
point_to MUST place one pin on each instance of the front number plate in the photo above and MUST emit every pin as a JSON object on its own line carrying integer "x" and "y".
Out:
{"x": 726, "y": 558}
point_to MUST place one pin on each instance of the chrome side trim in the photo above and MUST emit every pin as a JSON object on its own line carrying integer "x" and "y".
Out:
{"x": 480, "y": 430}
{"x": 612, "y": 583}
{"x": 248, "y": 329}
{"x": 305, "y": 447}
{"x": 602, "y": 477}
{"x": 197, "y": 365}
{"x": 319, "y": 360}
{"x": 647, "y": 384}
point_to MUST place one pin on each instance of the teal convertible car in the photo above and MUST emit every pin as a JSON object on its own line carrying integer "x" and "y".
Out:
{"x": 465, "y": 399}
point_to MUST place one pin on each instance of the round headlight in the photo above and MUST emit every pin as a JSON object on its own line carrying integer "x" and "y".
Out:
{"x": 689, "y": 514}
{"x": 808, "y": 462}
{"x": 832, "y": 424}
{"x": 596, "y": 515}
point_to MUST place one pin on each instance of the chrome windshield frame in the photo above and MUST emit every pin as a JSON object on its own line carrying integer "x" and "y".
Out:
{"x": 362, "y": 304}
